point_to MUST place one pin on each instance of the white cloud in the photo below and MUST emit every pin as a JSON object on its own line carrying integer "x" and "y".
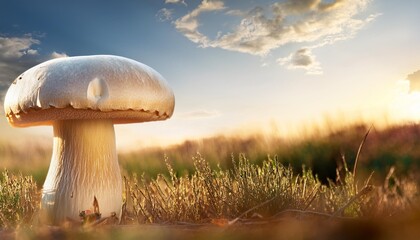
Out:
{"x": 198, "y": 114}
{"x": 31, "y": 52}
{"x": 188, "y": 24}
{"x": 176, "y": 1}
{"x": 15, "y": 47}
{"x": 17, "y": 54}
{"x": 58, "y": 55}
{"x": 164, "y": 14}
{"x": 293, "y": 21}
{"x": 295, "y": 60}
{"x": 303, "y": 59}
{"x": 265, "y": 28}
{"x": 236, "y": 12}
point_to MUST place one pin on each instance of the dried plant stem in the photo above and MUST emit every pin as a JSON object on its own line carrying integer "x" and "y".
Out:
{"x": 360, "y": 150}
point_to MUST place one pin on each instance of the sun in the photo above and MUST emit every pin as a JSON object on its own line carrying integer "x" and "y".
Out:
{"x": 405, "y": 105}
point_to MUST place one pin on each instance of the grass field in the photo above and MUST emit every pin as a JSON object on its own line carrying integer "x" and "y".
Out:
{"x": 236, "y": 188}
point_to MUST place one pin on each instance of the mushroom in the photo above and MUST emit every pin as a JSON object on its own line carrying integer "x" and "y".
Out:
{"x": 82, "y": 98}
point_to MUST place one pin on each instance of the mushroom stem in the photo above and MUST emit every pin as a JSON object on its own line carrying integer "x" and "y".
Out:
{"x": 84, "y": 165}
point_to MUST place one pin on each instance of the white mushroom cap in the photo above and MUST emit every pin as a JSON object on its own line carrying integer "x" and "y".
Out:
{"x": 88, "y": 87}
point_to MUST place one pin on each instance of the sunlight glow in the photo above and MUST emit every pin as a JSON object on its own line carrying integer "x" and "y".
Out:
{"x": 406, "y": 104}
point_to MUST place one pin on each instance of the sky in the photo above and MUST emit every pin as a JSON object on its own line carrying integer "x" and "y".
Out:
{"x": 235, "y": 66}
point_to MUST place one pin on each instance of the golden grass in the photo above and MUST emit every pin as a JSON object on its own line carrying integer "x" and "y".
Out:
{"x": 19, "y": 200}
{"x": 249, "y": 201}
{"x": 216, "y": 194}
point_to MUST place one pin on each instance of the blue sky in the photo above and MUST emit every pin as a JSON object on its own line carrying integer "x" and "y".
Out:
{"x": 234, "y": 64}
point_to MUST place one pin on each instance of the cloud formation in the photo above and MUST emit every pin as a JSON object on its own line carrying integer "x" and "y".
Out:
{"x": 198, "y": 114}
{"x": 164, "y": 14}
{"x": 414, "y": 79}
{"x": 265, "y": 28}
{"x": 58, "y": 55}
{"x": 17, "y": 54}
{"x": 188, "y": 24}
{"x": 304, "y": 59}
{"x": 176, "y": 1}
{"x": 14, "y": 47}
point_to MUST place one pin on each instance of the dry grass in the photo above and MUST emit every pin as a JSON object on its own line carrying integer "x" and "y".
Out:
{"x": 267, "y": 190}
{"x": 219, "y": 195}
{"x": 248, "y": 201}
{"x": 19, "y": 198}
{"x": 210, "y": 194}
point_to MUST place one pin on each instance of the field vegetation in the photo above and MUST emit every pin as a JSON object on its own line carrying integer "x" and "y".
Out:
{"x": 350, "y": 182}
